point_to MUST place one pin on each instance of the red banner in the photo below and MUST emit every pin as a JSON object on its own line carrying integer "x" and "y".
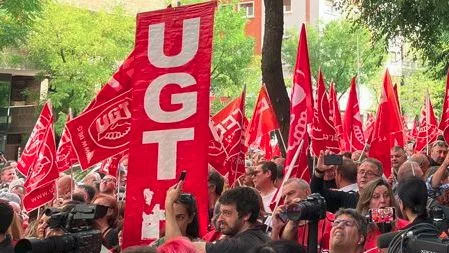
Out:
{"x": 444, "y": 123}
{"x": 230, "y": 124}
{"x": 101, "y": 132}
{"x": 217, "y": 154}
{"x": 65, "y": 156}
{"x": 34, "y": 143}
{"x": 336, "y": 114}
{"x": 323, "y": 134}
{"x": 263, "y": 121}
{"x": 169, "y": 117}
{"x": 110, "y": 166}
{"x": 301, "y": 109}
{"x": 354, "y": 138}
{"x": 39, "y": 196}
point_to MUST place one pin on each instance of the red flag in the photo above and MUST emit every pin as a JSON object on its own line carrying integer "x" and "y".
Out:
{"x": 301, "y": 110}
{"x": 354, "y": 138}
{"x": 335, "y": 109}
{"x": 31, "y": 151}
{"x": 119, "y": 83}
{"x": 229, "y": 123}
{"x": 428, "y": 126}
{"x": 263, "y": 120}
{"x": 65, "y": 156}
{"x": 39, "y": 196}
{"x": 43, "y": 171}
{"x": 323, "y": 135}
{"x": 444, "y": 123}
{"x": 369, "y": 127}
{"x": 102, "y": 131}
{"x": 388, "y": 125}
{"x": 217, "y": 154}
{"x": 170, "y": 113}
{"x": 110, "y": 166}
{"x": 396, "y": 95}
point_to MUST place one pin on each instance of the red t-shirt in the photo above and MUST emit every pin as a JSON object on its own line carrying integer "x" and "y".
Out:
{"x": 371, "y": 240}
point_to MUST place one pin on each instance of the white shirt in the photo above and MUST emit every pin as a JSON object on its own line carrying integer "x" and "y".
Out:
{"x": 267, "y": 200}
{"x": 352, "y": 187}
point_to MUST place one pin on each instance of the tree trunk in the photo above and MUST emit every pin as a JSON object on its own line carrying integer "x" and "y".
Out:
{"x": 272, "y": 74}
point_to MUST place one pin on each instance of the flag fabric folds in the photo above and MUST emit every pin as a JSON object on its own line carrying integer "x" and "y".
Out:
{"x": 354, "y": 138}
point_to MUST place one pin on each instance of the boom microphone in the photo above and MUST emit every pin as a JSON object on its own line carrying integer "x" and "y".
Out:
{"x": 384, "y": 240}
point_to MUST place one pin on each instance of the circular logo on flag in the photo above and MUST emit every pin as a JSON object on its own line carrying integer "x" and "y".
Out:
{"x": 111, "y": 127}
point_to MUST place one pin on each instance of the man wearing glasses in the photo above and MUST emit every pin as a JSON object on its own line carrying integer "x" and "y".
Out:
{"x": 348, "y": 233}
{"x": 108, "y": 185}
{"x": 369, "y": 170}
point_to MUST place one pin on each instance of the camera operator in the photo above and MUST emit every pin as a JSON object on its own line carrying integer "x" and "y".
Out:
{"x": 108, "y": 223}
{"x": 348, "y": 233}
{"x": 294, "y": 191}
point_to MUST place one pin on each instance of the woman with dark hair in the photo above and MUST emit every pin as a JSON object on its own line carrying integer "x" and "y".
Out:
{"x": 108, "y": 224}
{"x": 186, "y": 214}
{"x": 377, "y": 199}
{"x": 413, "y": 197}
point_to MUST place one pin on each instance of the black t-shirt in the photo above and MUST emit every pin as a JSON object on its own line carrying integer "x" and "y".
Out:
{"x": 240, "y": 243}
{"x": 110, "y": 238}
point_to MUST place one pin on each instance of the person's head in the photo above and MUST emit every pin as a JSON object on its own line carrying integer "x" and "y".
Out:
{"x": 6, "y": 216}
{"x": 88, "y": 192}
{"x": 422, "y": 160}
{"x": 358, "y": 156}
{"x": 279, "y": 176}
{"x": 65, "y": 184}
{"x": 215, "y": 183}
{"x": 186, "y": 214}
{"x": 368, "y": 170}
{"x": 346, "y": 173}
{"x": 295, "y": 188}
{"x": 111, "y": 203}
{"x": 398, "y": 156}
{"x": 376, "y": 194}
{"x": 412, "y": 194}
{"x": 16, "y": 186}
{"x": 438, "y": 151}
{"x": 265, "y": 175}
{"x": 108, "y": 185}
{"x": 248, "y": 177}
{"x": 42, "y": 224}
{"x": 239, "y": 209}
{"x": 348, "y": 232}
{"x": 8, "y": 174}
{"x": 279, "y": 246}
{"x": 177, "y": 245}
{"x": 280, "y": 161}
{"x": 409, "y": 169}
{"x": 93, "y": 179}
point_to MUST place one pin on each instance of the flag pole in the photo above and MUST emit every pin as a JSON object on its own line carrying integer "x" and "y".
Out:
{"x": 286, "y": 177}
{"x": 72, "y": 181}
{"x": 427, "y": 122}
{"x": 282, "y": 139}
{"x": 363, "y": 151}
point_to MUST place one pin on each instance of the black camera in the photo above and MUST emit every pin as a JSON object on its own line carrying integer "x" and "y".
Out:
{"x": 312, "y": 208}
{"x": 79, "y": 235}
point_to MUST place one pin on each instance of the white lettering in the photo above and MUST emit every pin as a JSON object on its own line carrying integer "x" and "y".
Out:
{"x": 167, "y": 148}
{"x": 190, "y": 38}
{"x": 188, "y": 100}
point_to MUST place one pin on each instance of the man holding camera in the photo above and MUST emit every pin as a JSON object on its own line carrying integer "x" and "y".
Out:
{"x": 294, "y": 191}
{"x": 369, "y": 170}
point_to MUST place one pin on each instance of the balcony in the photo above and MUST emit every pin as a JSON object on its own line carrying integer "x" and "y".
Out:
{"x": 21, "y": 119}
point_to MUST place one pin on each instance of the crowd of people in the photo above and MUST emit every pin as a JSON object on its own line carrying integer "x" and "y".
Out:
{"x": 361, "y": 205}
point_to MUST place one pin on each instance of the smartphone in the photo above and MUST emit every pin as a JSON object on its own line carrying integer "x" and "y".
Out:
{"x": 382, "y": 215}
{"x": 183, "y": 175}
{"x": 333, "y": 160}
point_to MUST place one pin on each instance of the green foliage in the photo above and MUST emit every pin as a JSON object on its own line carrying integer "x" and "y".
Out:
{"x": 16, "y": 20}
{"x": 342, "y": 50}
{"x": 79, "y": 50}
{"x": 413, "y": 91}
{"x": 423, "y": 23}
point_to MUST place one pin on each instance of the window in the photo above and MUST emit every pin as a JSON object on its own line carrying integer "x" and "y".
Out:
{"x": 248, "y": 9}
{"x": 287, "y": 6}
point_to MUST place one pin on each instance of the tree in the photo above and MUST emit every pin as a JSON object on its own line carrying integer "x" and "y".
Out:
{"x": 272, "y": 74}
{"x": 79, "y": 50}
{"x": 423, "y": 23}
{"x": 17, "y": 18}
{"x": 342, "y": 50}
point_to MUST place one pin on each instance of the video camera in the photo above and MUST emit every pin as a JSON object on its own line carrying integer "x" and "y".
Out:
{"x": 79, "y": 235}
{"x": 312, "y": 208}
